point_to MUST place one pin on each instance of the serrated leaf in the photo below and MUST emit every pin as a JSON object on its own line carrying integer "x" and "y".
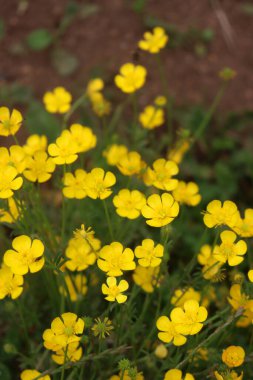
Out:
{"x": 39, "y": 39}
{"x": 64, "y": 62}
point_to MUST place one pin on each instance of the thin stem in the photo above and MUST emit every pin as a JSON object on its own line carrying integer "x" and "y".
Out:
{"x": 63, "y": 367}
{"x": 108, "y": 219}
{"x": 74, "y": 107}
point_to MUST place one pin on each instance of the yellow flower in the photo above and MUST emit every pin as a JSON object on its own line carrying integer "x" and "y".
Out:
{"x": 160, "y": 210}
{"x": 26, "y": 256}
{"x": 10, "y": 122}
{"x": 13, "y": 212}
{"x": 77, "y": 287}
{"x": 217, "y": 214}
{"x": 87, "y": 234}
{"x": 227, "y": 74}
{"x": 31, "y": 374}
{"x": 160, "y": 101}
{"x": 73, "y": 354}
{"x": 130, "y": 164}
{"x": 155, "y": 41}
{"x": 98, "y": 183}
{"x": 168, "y": 332}
{"x": 39, "y": 167}
{"x": 65, "y": 330}
{"x": 15, "y": 158}
{"x": 83, "y": 138}
{"x": 161, "y": 175}
{"x": 57, "y": 101}
{"x": 229, "y": 250}
{"x": 64, "y": 150}
{"x": 94, "y": 86}
{"x": 180, "y": 296}
{"x": 211, "y": 266}
{"x": 238, "y": 300}
{"x": 189, "y": 319}
{"x": 129, "y": 203}
{"x": 148, "y": 254}
{"x": 126, "y": 376}
{"x": 146, "y": 278}
{"x": 151, "y": 117}
{"x": 113, "y": 291}
{"x": 35, "y": 143}
{"x": 250, "y": 275}
{"x": 131, "y": 77}
{"x": 80, "y": 254}
{"x": 187, "y": 193}
{"x": 75, "y": 185}
{"x": 9, "y": 181}
{"x": 10, "y": 284}
{"x": 231, "y": 375}
{"x": 176, "y": 374}
{"x": 233, "y": 356}
{"x": 161, "y": 351}
{"x": 244, "y": 226}
{"x": 177, "y": 154}
{"x": 100, "y": 105}
{"x": 114, "y": 259}
{"x": 114, "y": 153}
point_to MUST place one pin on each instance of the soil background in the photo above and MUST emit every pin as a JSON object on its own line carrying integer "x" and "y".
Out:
{"x": 108, "y": 38}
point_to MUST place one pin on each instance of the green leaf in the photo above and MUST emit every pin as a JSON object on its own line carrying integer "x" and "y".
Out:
{"x": 64, "y": 62}
{"x": 4, "y": 372}
{"x": 2, "y": 29}
{"x": 39, "y": 39}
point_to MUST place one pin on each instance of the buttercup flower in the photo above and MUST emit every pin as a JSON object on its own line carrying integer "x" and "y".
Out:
{"x": 151, "y": 117}
{"x": 211, "y": 266}
{"x": 113, "y": 291}
{"x": 161, "y": 175}
{"x": 129, "y": 203}
{"x": 75, "y": 185}
{"x": 155, "y": 41}
{"x": 9, "y": 181}
{"x": 77, "y": 287}
{"x": 233, "y": 356}
{"x": 39, "y": 167}
{"x": 83, "y": 138}
{"x": 64, "y": 150}
{"x": 73, "y": 354}
{"x": 10, "y": 122}
{"x": 180, "y": 296}
{"x": 126, "y": 376}
{"x": 114, "y": 153}
{"x": 189, "y": 320}
{"x": 176, "y": 374}
{"x": 177, "y": 154}
{"x": 35, "y": 143}
{"x": 65, "y": 330}
{"x": 146, "y": 278}
{"x": 16, "y": 157}
{"x": 160, "y": 210}
{"x": 26, "y": 255}
{"x": 10, "y": 284}
{"x": 31, "y": 374}
{"x": 238, "y": 300}
{"x": 250, "y": 275}
{"x": 161, "y": 351}
{"x": 168, "y": 332}
{"x": 228, "y": 375}
{"x": 12, "y": 213}
{"x": 130, "y": 164}
{"x": 98, "y": 183}
{"x": 100, "y": 105}
{"x": 57, "y": 101}
{"x": 229, "y": 250}
{"x": 131, "y": 77}
{"x": 244, "y": 226}
{"x": 187, "y": 193}
{"x": 114, "y": 259}
{"x": 148, "y": 254}
{"x": 160, "y": 101}
{"x": 94, "y": 87}
{"x": 217, "y": 214}
{"x": 80, "y": 254}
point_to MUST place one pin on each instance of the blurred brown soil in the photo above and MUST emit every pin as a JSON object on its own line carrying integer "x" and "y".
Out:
{"x": 108, "y": 39}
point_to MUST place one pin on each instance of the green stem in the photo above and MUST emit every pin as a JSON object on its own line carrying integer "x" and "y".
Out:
{"x": 74, "y": 107}
{"x": 63, "y": 367}
{"x": 63, "y": 215}
{"x": 108, "y": 219}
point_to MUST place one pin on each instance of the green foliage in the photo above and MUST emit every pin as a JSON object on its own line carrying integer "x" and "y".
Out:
{"x": 39, "y": 39}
